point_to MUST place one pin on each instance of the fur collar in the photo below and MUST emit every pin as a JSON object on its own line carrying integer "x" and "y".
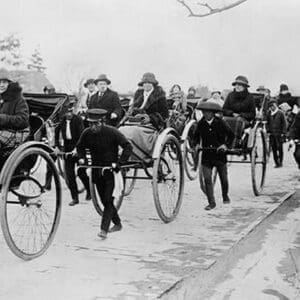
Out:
{"x": 12, "y": 93}
{"x": 156, "y": 94}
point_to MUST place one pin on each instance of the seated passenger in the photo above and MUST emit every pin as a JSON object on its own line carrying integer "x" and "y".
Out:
{"x": 239, "y": 102}
{"x": 240, "y": 105}
{"x": 191, "y": 93}
{"x": 216, "y": 98}
{"x": 178, "y": 115}
{"x": 107, "y": 99}
{"x": 177, "y": 95}
{"x": 14, "y": 113}
{"x": 150, "y": 108}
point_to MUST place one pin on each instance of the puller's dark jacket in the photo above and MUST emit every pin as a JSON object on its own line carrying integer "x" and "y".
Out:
{"x": 103, "y": 146}
{"x": 109, "y": 101}
{"x": 76, "y": 128}
{"x": 213, "y": 136}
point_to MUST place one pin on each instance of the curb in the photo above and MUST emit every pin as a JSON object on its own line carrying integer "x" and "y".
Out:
{"x": 223, "y": 258}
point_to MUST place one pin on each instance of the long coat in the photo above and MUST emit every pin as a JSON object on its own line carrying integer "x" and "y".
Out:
{"x": 109, "y": 101}
{"x": 276, "y": 123}
{"x": 240, "y": 103}
{"x": 14, "y": 111}
{"x": 156, "y": 106}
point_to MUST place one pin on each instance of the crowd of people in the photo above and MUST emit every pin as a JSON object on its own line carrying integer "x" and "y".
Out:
{"x": 150, "y": 110}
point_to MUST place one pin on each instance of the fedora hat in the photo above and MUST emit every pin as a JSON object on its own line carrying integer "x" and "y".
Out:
{"x": 209, "y": 106}
{"x": 261, "y": 88}
{"x": 4, "y": 75}
{"x": 89, "y": 81}
{"x": 95, "y": 114}
{"x": 148, "y": 78}
{"x": 102, "y": 77}
{"x": 241, "y": 80}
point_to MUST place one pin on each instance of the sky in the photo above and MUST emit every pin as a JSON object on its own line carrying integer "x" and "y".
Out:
{"x": 124, "y": 39}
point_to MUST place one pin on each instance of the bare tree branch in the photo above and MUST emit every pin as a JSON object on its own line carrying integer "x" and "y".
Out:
{"x": 211, "y": 10}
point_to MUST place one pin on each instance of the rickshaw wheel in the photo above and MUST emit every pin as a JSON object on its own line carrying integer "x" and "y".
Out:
{"x": 62, "y": 173}
{"x": 29, "y": 214}
{"x": 129, "y": 182}
{"x": 258, "y": 161}
{"x": 96, "y": 198}
{"x": 168, "y": 179}
{"x": 189, "y": 160}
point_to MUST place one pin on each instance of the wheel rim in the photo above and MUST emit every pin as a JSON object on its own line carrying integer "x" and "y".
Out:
{"x": 190, "y": 160}
{"x": 29, "y": 214}
{"x": 168, "y": 180}
{"x": 129, "y": 182}
{"x": 96, "y": 198}
{"x": 258, "y": 162}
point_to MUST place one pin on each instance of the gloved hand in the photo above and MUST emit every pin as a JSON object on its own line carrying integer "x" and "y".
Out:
{"x": 81, "y": 161}
{"x": 222, "y": 148}
{"x": 116, "y": 167}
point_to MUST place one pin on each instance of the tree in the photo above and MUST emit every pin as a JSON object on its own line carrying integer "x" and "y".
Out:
{"x": 205, "y": 9}
{"x": 10, "y": 51}
{"x": 36, "y": 62}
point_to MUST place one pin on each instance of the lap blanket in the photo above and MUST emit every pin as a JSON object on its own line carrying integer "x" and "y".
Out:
{"x": 142, "y": 139}
{"x": 11, "y": 138}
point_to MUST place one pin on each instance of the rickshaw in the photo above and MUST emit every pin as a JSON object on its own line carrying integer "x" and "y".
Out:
{"x": 29, "y": 214}
{"x": 257, "y": 150}
{"x": 164, "y": 168}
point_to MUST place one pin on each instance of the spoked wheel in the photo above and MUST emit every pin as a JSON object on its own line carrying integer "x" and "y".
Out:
{"x": 258, "y": 161}
{"x": 29, "y": 214}
{"x": 96, "y": 198}
{"x": 190, "y": 155}
{"x": 129, "y": 182}
{"x": 168, "y": 179}
{"x": 201, "y": 178}
{"x": 62, "y": 173}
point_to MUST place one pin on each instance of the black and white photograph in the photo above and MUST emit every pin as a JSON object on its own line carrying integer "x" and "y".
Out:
{"x": 150, "y": 149}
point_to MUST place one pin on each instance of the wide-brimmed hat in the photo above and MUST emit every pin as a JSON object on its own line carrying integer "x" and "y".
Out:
{"x": 283, "y": 87}
{"x": 89, "y": 81}
{"x": 241, "y": 80}
{"x": 102, "y": 77}
{"x": 148, "y": 78}
{"x": 209, "y": 106}
{"x": 4, "y": 75}
{"x": 95, "y": 114}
